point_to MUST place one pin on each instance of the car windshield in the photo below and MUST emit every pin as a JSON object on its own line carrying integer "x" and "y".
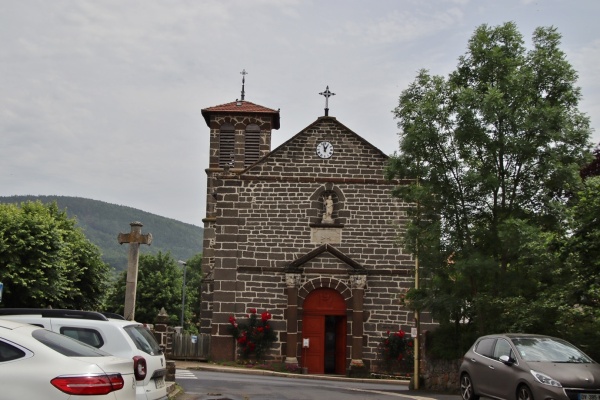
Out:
{"x": 65, "y": 345}
{"x": 542, "y": 349}
{"x": 143, "y": 339}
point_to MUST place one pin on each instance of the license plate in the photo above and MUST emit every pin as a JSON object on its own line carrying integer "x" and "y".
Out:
{"x": 160, "y": 382}
{"x": 589, "y": 396}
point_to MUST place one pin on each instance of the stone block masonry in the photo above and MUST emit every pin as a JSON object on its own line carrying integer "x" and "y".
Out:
{"x": 268, "y": 244}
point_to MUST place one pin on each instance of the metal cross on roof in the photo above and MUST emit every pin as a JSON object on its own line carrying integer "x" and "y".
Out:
{"x": 327, "y": 93}
{"x": 244, "y": 73}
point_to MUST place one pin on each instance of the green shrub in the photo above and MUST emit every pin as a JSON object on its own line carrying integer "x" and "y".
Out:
{"x": 450, "y": 341}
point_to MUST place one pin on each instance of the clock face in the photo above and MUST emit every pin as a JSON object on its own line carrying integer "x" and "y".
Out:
{"x": 324, "y": 149}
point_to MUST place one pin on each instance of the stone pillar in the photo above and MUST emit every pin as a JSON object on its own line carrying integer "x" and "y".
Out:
{"x": 134, "y": 238}
{"x": 163, "y": 337}
{"x": 358, "y": 283}
{"x": 161, "y": 332}
{"x": 292, "y": 281}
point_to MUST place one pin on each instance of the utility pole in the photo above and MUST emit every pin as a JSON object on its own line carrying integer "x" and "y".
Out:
{"x": 417, "y": 342}
{"x": 182, "y": 293}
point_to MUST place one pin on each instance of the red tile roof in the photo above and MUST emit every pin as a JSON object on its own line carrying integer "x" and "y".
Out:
{"x": 241, "y": 107}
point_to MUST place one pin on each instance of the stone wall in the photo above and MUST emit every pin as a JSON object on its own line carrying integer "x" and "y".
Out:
{"x": 441, "y": 375}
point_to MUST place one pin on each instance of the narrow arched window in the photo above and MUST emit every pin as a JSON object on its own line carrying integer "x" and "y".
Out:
{"x": 251, "y": 144}
{"x": 226, "y": 146}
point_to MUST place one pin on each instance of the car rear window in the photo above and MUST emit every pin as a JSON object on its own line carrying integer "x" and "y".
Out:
{"x": 485, "y": 347}
{"x": 143, "y": 339}
{"x": 65, "y": 345}
{"x": 85, "y": 335}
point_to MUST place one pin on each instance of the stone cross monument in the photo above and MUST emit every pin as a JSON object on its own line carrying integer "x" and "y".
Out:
{"x": 134, "y": 238}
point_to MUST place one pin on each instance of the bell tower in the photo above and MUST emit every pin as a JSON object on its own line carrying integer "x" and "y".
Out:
{"x": 240, "y": 135}
{"x": 240, "y": 132}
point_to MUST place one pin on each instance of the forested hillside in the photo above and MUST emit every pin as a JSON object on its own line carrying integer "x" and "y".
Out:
{"x": 102, "y": 222}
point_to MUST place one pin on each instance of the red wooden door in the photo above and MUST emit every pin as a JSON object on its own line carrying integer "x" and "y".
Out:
{"x": 318, "y": 304}
{"x": 313, "y": 329}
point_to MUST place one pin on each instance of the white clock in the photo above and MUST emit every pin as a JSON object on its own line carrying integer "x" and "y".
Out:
{"x": 324, "y": 149}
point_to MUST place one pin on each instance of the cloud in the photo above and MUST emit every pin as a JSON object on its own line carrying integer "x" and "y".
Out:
{"x": 102, "y": 99}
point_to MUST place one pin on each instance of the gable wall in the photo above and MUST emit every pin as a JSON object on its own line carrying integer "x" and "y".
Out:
{"x": 352, "y": 159}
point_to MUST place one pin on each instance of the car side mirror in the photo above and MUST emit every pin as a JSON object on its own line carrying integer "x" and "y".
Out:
{"x": 507, "y": 360}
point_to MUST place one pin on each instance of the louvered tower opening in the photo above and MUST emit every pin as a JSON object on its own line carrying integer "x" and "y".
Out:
{"x": 226, "y": 146}
{"x": 251, "y": 145}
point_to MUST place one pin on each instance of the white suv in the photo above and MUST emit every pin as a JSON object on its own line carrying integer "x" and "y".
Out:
{"x": 111, "y": 333}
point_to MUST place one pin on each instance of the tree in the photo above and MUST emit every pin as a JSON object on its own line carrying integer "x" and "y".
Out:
{"x": 160, "y": 283}
{"x": 193, "y": 294}
{"x": 494, "y": 153}
{"x": 578, "y": 280}
{"x": 46, "y": 261}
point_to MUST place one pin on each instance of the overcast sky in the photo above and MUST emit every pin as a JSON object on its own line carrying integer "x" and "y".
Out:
{"x": 101, "y": 99}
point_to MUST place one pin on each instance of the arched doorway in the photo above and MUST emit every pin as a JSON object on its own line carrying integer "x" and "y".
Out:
{"x": 324, "y": 325}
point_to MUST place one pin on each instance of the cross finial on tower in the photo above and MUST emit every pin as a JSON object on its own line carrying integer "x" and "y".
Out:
{"x": 327, "y": 95}
{"x": 244, "y": 73}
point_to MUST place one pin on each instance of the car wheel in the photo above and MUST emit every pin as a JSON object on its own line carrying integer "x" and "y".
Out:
{"x": 524, "y": 393}
{"x": 466, "y": 388}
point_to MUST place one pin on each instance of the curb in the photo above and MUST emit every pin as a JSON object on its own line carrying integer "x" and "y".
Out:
{"x": 248, "y": 371}
{"x": 172, "y": 389}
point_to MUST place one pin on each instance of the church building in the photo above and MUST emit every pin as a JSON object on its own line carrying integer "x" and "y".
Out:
{"x": 307, "y": 231}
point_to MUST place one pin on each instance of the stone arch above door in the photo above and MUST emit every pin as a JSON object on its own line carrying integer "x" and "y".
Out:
{"x": 323, "y": 282}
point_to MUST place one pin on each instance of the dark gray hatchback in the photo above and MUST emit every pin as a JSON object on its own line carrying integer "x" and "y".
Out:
{"x": 528, "y": 367}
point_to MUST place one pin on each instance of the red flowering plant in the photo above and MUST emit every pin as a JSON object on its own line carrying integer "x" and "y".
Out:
{"x": 255, "y": 336}
{"x": 396, "y": 352}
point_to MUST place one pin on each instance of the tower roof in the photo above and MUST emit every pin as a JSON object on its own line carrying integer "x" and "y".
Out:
{"x": 240, "y": 107}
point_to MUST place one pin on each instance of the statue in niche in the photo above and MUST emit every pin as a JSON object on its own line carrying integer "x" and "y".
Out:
{"x": 328, "y": 214}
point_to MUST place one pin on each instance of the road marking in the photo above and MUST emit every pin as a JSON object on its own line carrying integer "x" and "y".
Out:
{"x": 184, "y": 374}
{"x": 392, "y": 394}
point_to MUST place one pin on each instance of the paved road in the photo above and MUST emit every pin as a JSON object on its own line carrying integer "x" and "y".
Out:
{"x": 209, "y": 385}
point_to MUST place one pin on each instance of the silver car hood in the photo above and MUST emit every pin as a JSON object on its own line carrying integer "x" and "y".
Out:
{"x": 571, "y": 375}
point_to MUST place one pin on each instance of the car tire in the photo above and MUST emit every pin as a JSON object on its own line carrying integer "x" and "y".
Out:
{"x": 467, "y": 391}
{"x": 524, "y": 393}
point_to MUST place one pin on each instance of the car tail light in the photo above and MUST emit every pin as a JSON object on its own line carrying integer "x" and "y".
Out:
{"x": 88, "y": 384}
{"x": 140, "y": 369}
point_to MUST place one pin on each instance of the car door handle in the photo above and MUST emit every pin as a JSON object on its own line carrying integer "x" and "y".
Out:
{"x": 491, "y": 367}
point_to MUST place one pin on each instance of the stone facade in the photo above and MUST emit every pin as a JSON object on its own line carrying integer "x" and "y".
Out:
{"x": 268, "y": 244}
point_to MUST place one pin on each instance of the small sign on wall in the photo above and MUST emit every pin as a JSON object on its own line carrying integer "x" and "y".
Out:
{"x": 305, "y": 343}
{"x": 413, "y": 332}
